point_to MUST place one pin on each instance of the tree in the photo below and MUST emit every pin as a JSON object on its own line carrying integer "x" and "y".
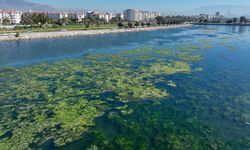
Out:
{"x": 120, "y": 25}
{"x": 42, "y": 18}
{"x": 98, "y": 23}
{"x": 116, "y": 20}
{"x": 229, "y": 21}
{"x": 137, "y": 23}
{"x": 35, "y": 18}
{"x": 59, "y": 22}
{"x": 27, "y": 20}
{"x": 92, "y": 20}
{"x": 243, "y": 20}
{"x": 87, "y": 24}
{"x": 235, "y": 20}
{"x": 160, "y": 20}
{"x": 66, "y": 20}
{"x": 142, "y": 24}
{"x": 6, "y": 21}
{"x": 102, "y": 21}
{"x": 148, "y": 24}
{"x": 130, "y": 25}
{"x": 73, "y": 20}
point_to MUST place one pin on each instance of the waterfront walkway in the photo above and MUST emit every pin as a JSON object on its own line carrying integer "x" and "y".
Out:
{"x": 58, "y": 34}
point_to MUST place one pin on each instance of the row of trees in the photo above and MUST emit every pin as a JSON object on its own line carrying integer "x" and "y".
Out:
{"x": 241, "y": 20}
{"x": 134, "y": 24}
{"x": 162, "y": 20}
{"x": 6, "y": 21}
{"x": 42, "y": 18}
{"x": 35, "y": 18}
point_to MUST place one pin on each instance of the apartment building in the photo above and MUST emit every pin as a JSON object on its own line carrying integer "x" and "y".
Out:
{"x": 106, "y": 16}
{"x": 132, "y": 15}
{"x": 57, "y": 15}
{"x": 137, "y": 15}
{"x": 77, "y": 16}
{"x": 13, "y": 16}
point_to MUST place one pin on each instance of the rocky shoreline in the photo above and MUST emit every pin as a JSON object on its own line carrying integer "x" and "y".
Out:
{"x": 58, "y": 34}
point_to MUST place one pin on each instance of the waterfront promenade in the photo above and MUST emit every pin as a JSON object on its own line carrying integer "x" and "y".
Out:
{"x": 58, "y": 34}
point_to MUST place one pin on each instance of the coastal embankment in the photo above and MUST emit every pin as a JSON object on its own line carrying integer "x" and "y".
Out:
{"x": 223, "y": 24}
{"x": 58, "y": 34}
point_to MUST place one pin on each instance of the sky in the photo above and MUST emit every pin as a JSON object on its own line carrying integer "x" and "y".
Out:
{"x": 163, "y": 6}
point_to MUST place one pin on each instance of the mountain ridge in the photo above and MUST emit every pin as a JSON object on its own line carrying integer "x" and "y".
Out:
{"x": 24, "y": 5}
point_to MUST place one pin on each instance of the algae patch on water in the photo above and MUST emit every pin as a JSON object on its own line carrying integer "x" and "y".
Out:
{"x": 60, "y": 100}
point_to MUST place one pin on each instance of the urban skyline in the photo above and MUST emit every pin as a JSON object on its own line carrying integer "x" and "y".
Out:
{"x": 15, "y": 16}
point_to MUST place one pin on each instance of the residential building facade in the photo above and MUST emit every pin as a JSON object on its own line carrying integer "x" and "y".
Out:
{"x": 57, "y": 15}
{"x": 137, "y": 15}
{"x": 132, "y": 15}
{"x": 77, "y": 16}
{"x": 106, "y": 16}
{"x": 13, "y": 16}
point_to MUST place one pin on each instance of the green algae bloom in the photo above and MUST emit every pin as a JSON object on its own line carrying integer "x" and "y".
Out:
{"x": 60, "y": 100}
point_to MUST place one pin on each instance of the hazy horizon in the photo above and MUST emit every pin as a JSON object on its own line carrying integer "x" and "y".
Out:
{"x": 163, "y": 6}
{"x": 228, "y": 8}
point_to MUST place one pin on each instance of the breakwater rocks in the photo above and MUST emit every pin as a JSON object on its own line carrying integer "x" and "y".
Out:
{"x": 58, "y": 34}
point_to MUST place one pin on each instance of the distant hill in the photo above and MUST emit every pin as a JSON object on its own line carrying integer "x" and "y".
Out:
{"x": 226, "y": 10}
{"x": 24, "y": 5}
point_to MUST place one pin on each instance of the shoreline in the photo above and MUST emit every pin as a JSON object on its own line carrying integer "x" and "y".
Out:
{"x": 60, "y": 34}
{"x": 223, "y": 24}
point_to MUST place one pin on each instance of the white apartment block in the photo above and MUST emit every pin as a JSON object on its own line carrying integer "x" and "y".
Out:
{"x": 1, "y": 17}
{"x": 137, "y": 15}
{"x": 77, "y": 16}
{"x": 132, "y": 15}
{"x": 57, "y": 15}
{"x": 14, "y": 17}
{"x": 153, "y": 15}
{"x": 106, "y": 16}
{"x": 145, "y": 16}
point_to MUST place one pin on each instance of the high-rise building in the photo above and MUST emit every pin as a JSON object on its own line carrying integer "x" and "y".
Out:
{"x": 132, "y": 15}
{"x": 217, "y": 14}
{"x": 137, "y": 15}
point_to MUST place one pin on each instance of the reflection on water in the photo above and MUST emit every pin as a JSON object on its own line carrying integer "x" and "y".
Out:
{"x": 185, "y": 88}
{"x": 237, "y": 29}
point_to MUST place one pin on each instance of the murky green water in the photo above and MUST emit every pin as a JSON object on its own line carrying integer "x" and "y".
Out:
{"x": 184, "y": 88}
